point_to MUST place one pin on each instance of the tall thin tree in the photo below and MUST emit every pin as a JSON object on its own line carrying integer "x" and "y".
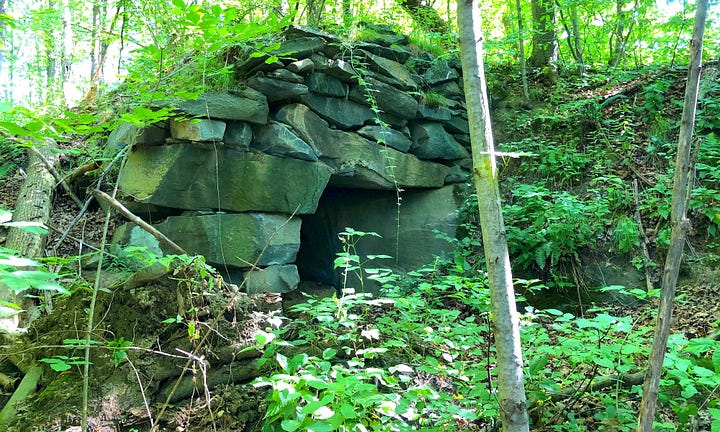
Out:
{"x": 505, "y": 320}
{"x": 680, "y": 225}
{"x": 521, "y": 50}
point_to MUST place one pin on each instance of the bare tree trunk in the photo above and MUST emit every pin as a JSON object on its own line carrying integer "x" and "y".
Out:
{"x": 506, "y": 323}
{"x": 66, "y": 52}
{"x": 521, "y": 49}
{"x": 680, "y": 226}
{"x": 3, "y": 35}
{"x": 544, "y": 41}
{"x": 424, "y": 15}
{"x": 314, "y": 12}
{"x": 33, "y": 205}
{"x": 576, "y": 42}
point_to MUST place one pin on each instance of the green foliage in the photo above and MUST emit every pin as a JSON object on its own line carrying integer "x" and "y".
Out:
{"x": 420, "y": 358}
{"x": 345, "y": 378}
{"x": 626, "y": 234}
{"x": 19, "y": 274}
{"x": 119, "y": 349}
{"x": 61, "y": 363}
{"x": 431, "y": 99}
{"x": 546, "y": 228}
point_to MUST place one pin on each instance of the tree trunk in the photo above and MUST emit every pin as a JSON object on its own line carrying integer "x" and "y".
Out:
{"x": 544, "y": 41}
{"x": 680, "y": 226}
{"x": 506, "y": 325}
{"x": 314, "y": 12}
{"x": 521, "y": 49}
{"x": 3, "y": 78}
{"x": 425, "y": 16}
{"x": 33, "y": 205}
{"x": 576, "y": 42}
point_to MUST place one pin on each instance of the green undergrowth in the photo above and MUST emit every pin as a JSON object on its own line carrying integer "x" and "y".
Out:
{"x": 421, "y": 357}
{"x": 594, "y": 171}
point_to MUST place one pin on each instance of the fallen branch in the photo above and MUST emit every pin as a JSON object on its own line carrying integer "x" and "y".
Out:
{"x": 51, "y": 169}
{"x": 626, "y": 380}
{"x": 117, "y": 205}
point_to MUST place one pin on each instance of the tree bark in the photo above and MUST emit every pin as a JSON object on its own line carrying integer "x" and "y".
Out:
{"x": 33, "y": 205}
{"x": 506, "y": 323}
{"x": 425, "y": 16}
{"x": 521, "y": 49}
{"x": 544, "y": 41}
{"x": 680, "y": 226}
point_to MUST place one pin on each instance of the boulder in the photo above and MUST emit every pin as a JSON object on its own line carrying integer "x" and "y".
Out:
{"x": 364, "y": 164}
{"x": 247, "y": 105}
{"x": 387, "y": 98}
{"x": 325, "y": 85}
{"x": 457, "y": 124}
{"x": 301, "y": 31}
{"x": 289, "y": 74}
{"x": 358, "y": 162}
{"x": 237, "y": 239}
{"x": 387, "y": 136}
{"x": 398, "y": 54}
{"x": 297, "y": 47}
{"x": 272, "y": 279}
{"x": 398, "y": 74}
{"x": 440, "y": 72}
{"x": 340, "y": 112}
{"x": 431, "y": 141}
{"x": 301, "y": 67}
{"x": 238, "y": 134}
{"x": 201, "y": 176}
{"x": 450, "y": 89}
{"x": 439, "y": 113}
{"x": 277, "y": 139}
{"x": 276, "y": 90}
{"x": 197, "y": 130}
{"x": 128, "y": 134}
{"x": 342, "y": 70}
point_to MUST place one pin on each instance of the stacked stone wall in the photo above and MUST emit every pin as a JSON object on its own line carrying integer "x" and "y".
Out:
{"x": 239, "y": 170}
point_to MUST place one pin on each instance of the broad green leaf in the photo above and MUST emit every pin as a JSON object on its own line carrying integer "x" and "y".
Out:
{"x": 290, "y": 425}
{"x": 604, "y": 362}
{"x": 348, "y": 411}
{"x": 31, "y": 227}
{"x": 320, "y": 426}
{"x": 537, "y": 364}
{"x": 329, "y": 353}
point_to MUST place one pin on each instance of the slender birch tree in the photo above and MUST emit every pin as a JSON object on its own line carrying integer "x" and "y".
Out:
{"x": 684, "y": 166}
{"x": 505, "y": 319}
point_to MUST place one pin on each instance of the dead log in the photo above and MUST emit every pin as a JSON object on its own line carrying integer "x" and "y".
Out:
{"x": 137, "y": 221}
{"x": 33, "y": 205}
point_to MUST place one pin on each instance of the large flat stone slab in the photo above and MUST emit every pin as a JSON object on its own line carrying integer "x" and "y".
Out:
{"x": 272, "y": 279}
{"x": 431, "y": 141}
{"x": 343, "y": 113}
{"x": 237, "y": 239}
{"x": 247, "y": 105}
{"x": 358, "y": 162}
{"x": 388, "y": 98}
{"x": 200, "y": 176}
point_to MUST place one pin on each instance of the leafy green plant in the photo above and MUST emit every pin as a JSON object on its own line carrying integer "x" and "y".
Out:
{"x": 626, "y": 234}
{"x": 547, "y": 228}
{"x": 61, "y": 363}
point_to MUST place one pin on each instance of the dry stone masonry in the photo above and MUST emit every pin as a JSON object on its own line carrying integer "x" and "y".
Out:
{"x": 261, "y": 178}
